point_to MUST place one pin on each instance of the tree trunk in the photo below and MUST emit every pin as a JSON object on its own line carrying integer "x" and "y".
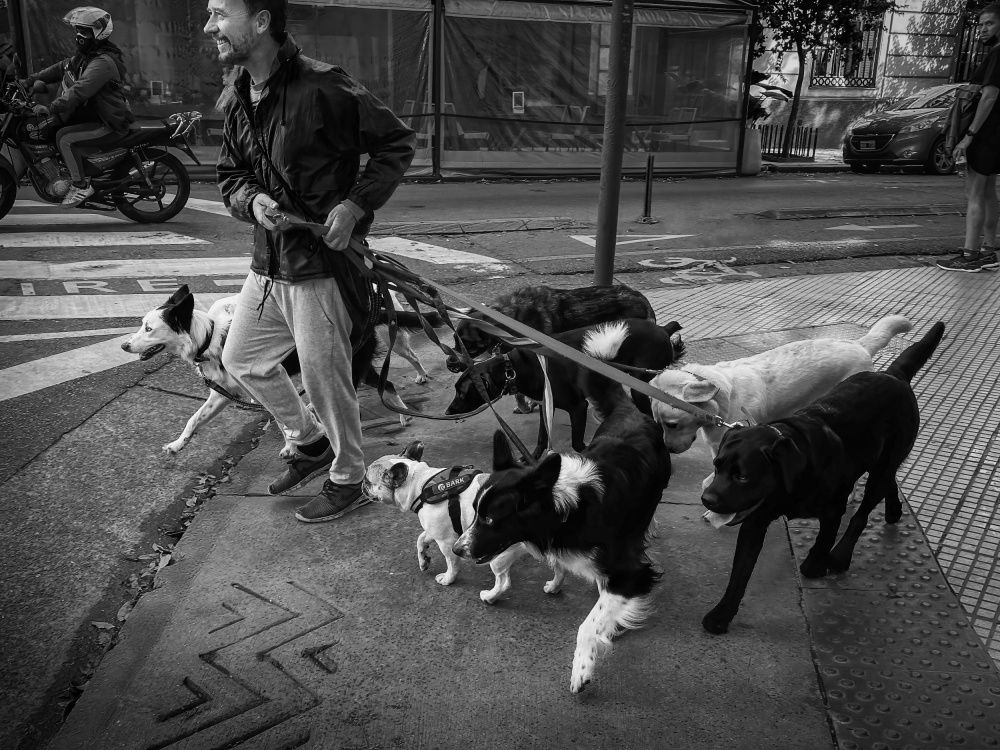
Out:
{"x": 793, "y": 115}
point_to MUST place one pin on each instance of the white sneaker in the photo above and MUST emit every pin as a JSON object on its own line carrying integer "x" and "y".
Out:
{"x": 77, "y": 195}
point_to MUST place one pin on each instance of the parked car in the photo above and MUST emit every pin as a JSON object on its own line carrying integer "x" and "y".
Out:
{"x": 910, "y": 133}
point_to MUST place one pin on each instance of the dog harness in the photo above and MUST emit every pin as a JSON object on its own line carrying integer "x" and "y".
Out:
{"x": 447, "y": 484}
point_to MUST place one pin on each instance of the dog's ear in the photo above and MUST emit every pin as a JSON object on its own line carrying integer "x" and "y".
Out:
{"x": 178, "y": 296}
{"x": 178, "y": 315}
{"x": 414, "y": 451}
{"x": 672, "y": 327}
{"x": 397, "y": 474}
{"x": 787, "y": 460}
{"x": 699, "y": 391}
{"x": 502, "y": 456}
{"x": 545, "y": 473}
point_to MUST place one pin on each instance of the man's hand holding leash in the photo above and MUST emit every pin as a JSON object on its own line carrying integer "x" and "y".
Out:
{"x": 264, "y": 209}
{"x": 341, "y": 223}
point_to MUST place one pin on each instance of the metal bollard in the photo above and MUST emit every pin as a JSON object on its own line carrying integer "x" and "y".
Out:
{"x": 646, "y": 217}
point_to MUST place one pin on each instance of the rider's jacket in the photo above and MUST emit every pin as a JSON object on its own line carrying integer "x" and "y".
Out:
{"x": 91, "y": 88}
{"x": 305, "y": 136}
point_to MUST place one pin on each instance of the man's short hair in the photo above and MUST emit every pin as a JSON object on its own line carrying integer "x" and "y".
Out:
{"x": 993, "y": 9}
{"x": 279, "y": 15}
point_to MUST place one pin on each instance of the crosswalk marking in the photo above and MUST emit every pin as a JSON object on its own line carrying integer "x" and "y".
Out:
{"x": 90, "y": 305}
{"x": 48, "y": 220}
{"x": 103, "y": 239}
{"x": 211, "y": 207}
{"x": 59, "y": 368}
{"x": 129, "y": 269}
{"x": 13, "y": 337}
{"x": 437, "y": 255}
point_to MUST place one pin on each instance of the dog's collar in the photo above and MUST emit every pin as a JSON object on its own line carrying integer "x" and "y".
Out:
{"x": 447, "y": 484}
{"x": 199, "y": 355}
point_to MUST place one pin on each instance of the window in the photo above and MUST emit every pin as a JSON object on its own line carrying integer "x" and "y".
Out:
{"x": 851, "y": 63}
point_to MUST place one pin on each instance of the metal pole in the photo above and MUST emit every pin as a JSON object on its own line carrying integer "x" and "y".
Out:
{"x": 614, "y": 140}
{"x": 647, "y": 207}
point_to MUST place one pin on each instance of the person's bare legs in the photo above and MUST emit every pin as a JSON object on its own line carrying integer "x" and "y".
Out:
{"x": 976, "y": 211}
{"x": 992, "y": 212}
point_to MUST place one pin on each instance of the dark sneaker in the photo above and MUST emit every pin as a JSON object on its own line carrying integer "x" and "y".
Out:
{"x": 333, "y": 501}
{"x": 300, "y": 470}
{"x": 961, "y": 262}
{"x": 987, "y": 259}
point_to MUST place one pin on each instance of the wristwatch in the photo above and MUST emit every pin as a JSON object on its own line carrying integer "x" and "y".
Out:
{"x": 971, "y": 133}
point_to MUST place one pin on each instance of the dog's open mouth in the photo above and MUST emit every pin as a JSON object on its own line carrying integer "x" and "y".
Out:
{"x": 152, "y": 351}
{"x": 718, "y": 520}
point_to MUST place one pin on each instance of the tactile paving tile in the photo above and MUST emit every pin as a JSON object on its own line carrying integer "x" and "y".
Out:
{"x": 897, "y": 630}
{"x": 874, "y": 708}
{"x": 888, "y": 558}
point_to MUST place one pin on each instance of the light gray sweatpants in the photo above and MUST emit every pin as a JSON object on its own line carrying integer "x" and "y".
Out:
{"x": 309, "y": 316}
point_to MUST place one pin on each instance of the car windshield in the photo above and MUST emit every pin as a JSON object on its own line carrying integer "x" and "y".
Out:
{"x": 928, "y": 100}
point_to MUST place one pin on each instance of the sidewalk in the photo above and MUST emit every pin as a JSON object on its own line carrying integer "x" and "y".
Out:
{"x": 269, "y": 633}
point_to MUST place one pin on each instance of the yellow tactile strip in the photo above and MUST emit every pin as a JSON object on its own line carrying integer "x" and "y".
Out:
{"x": 950, "y": 478}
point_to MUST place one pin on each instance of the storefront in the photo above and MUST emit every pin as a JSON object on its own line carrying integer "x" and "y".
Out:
{"x": 493, "y": 87}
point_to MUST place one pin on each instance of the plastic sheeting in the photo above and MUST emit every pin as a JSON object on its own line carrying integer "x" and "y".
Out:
{"x": 525, "y": 86}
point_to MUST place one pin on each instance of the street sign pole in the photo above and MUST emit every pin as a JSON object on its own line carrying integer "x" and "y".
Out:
{"x": 614, "y": 140}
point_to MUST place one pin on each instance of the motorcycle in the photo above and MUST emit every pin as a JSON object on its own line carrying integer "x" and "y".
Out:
{"x": 136, "y": 176}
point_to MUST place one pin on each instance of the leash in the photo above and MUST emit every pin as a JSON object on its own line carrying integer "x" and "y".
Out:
{"x": 385, "y": 272}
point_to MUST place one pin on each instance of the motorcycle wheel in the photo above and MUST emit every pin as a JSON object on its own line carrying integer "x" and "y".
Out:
{"x": 173, "y": 187}
{"x": 8, "y": 192}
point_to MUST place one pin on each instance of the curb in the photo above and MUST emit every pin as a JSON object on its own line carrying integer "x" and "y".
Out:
{"x": 847, "y": 212}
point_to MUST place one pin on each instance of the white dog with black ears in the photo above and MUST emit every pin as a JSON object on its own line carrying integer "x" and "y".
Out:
{"x": 443, "y": 500}
{"x": 198, "y": 338}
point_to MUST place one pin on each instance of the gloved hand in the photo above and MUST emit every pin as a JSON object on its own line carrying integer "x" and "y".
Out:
{"x": 341, "y": 223}
{"x": 40, "y": 110}
{"x": 261, "y": 203}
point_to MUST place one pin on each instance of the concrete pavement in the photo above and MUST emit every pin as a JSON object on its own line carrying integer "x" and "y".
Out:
{"x": 269, "y": 633}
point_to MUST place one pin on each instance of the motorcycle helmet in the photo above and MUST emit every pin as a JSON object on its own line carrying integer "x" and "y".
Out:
{"x": 95, "y": 19}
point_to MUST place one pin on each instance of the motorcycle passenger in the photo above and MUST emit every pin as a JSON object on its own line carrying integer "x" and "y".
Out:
{"x": 91, "y": 105}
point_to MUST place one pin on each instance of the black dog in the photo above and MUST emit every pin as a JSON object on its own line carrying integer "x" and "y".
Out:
{"x": 806, "y": 466}
{"x": 588, "y": 513}
{"x": 635, "y": 342}
{"x": 553, "y": 311}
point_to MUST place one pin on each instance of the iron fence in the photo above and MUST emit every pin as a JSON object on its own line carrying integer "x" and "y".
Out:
{"x": 772, "y": 141}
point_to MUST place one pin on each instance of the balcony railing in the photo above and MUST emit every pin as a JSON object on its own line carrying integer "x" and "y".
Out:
{"x": 852, "y": 64}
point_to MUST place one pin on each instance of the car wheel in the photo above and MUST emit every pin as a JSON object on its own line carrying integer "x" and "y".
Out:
{"x": 939, "y": 161}
{"x": 864, "y": 167}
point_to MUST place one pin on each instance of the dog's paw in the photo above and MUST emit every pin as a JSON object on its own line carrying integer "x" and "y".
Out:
{"x": 404, "y": 420}
{"x": 287, "y": 452}
{"x": 490, "y": 596}
{"x": 553, "y": 587}
{"x": 813, "y": 568}
{"x": 716, "y": 622}
{"x": 446, "y": 578}
{"x": 838, "y": 564}
{"x": 421, "y": 379}
{"x": 423, "y": 561}
{"x": 173, "y": 448}
{"x": 583, "y": 673}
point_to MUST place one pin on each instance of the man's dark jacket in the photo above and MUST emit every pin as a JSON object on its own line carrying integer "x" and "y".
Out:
{"x": 315, "y": 122}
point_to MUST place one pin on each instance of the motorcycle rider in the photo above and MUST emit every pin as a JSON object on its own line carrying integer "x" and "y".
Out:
{"x": 91, "y": 107}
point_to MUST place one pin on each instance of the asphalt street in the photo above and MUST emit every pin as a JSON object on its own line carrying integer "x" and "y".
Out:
{"x": 85, "y": 485}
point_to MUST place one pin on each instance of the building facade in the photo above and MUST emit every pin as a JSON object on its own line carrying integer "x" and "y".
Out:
{"x": 493, "y": 87}
{"x": 923, "y": 43}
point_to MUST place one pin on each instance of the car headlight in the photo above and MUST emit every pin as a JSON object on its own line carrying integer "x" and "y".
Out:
{"x": 916, "y": 127}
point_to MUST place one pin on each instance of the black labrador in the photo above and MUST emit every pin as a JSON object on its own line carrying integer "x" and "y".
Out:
{"x": 806, "y": 466}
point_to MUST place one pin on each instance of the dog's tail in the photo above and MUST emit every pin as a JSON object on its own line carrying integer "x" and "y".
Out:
{"x": 604, "y": 341}
{"x": 906, "y": 365}
{"x": 882, "y": 332}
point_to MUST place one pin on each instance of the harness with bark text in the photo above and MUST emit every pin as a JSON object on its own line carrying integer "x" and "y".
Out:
{"x": 447, "y": 484}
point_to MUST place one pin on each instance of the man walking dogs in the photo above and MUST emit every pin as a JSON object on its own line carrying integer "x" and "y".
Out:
{"x": 294, "y": 132}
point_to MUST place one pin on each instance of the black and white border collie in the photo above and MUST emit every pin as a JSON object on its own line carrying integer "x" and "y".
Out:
{"x": 587, "y": 513}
